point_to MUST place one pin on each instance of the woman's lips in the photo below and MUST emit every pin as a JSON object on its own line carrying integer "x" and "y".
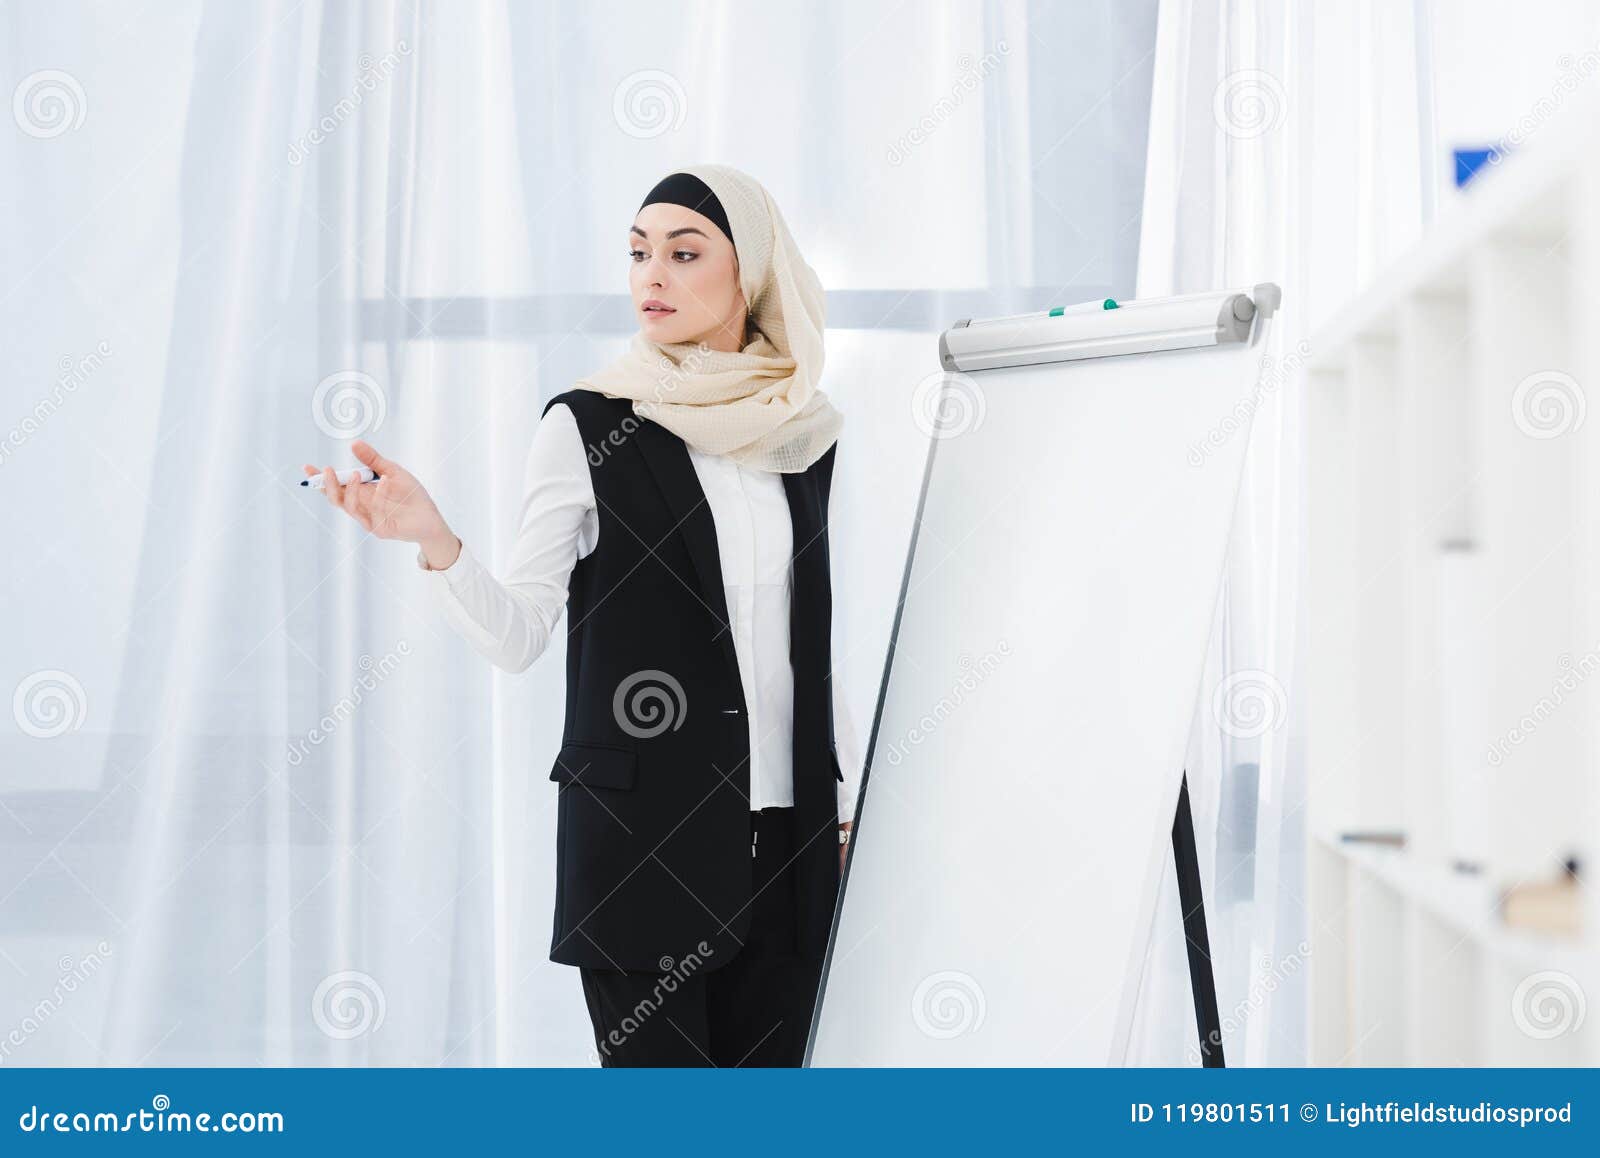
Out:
{"x": 658, "y": 309}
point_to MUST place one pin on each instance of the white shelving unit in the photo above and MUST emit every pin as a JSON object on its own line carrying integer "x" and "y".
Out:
{"x": 1454, "y": 665}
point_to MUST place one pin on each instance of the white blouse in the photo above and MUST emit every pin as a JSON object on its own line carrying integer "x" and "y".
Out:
{"x": 511, "y": 622}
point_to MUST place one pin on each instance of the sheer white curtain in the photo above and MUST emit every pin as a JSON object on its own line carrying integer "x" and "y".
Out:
{"x": 1288, "y": 143}
{"x": 1307, "y": 144}
{"x": 258, "y": 805}
{"x": 1292, "y": 143}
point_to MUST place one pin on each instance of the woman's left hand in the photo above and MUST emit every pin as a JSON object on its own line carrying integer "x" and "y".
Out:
{"x": 844, "y": 847}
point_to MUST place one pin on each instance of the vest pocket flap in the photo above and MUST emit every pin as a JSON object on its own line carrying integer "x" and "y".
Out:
{"x": 595, "y": 766}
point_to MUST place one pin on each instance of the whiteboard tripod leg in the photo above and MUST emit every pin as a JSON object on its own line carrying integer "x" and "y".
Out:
{"x": 1187, "y": 859}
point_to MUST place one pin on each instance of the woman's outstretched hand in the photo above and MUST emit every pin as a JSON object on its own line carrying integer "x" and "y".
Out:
{"x": 397, "y": 506}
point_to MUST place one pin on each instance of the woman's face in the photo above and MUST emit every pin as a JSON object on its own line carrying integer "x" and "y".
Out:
{"x": 683, "y": 262}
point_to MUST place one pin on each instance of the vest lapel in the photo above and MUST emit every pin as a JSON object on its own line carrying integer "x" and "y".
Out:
{"x": 668, "y": 459}
{"x": 809, "y": 567}
{"x": 805, "y": 516}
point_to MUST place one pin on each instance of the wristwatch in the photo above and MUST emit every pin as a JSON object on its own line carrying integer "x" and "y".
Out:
{"x": 844, "y": 836}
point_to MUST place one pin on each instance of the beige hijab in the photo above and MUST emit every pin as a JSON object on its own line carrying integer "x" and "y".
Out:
{"x": 761, "y": 406}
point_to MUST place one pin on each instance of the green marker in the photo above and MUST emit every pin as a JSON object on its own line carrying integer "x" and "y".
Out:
{"x": 1023, "y": 319}
{"x": 1086, "y": 307}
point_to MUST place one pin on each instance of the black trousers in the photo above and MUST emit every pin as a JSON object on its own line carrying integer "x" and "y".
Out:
{"x": 754, "y": 1010}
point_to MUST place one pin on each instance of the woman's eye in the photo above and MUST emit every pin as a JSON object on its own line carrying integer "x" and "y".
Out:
{"x": 635, "y": 254}
{"x": 686, "y": 254}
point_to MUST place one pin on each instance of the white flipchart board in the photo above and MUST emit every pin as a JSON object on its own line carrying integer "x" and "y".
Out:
{"x": 1025, "y": 761}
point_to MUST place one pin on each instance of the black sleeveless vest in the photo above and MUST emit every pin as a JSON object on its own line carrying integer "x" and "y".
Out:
{"x": 653, "y": 867}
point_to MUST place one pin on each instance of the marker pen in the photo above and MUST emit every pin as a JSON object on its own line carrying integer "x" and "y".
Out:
{"x": 1092, "y": 307}
{"x": 344, "y": 477}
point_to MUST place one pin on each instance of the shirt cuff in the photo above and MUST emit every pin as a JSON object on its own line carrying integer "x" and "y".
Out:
{"x": 847, "y": 801}
{"x": 454, "y": 577}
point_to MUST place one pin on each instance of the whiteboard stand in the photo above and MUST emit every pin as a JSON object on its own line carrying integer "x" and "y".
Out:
{"x": 1016, "y": 810}
{"x": 1186, "y": 858}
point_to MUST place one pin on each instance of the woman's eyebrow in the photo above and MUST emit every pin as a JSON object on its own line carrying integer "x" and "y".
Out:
{"x": 671, "y": 235}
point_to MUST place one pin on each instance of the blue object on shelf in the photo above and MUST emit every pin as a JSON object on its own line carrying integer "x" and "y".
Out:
{"x": 1470, "y": 161}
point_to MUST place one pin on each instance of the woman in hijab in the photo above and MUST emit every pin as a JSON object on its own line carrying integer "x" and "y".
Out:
{"x": 677, "y": 508}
